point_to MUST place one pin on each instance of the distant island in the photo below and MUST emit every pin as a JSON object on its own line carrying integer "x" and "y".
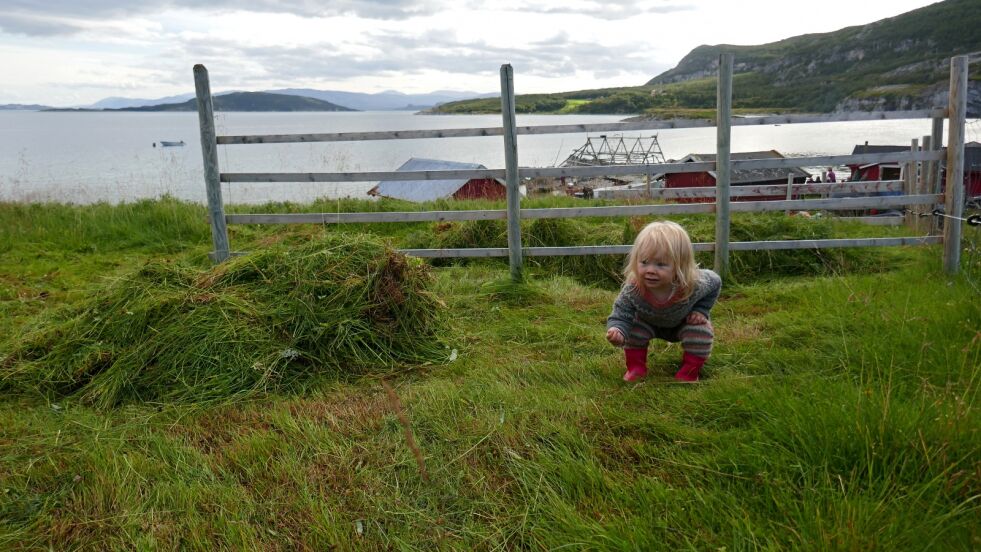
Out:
{"x": 236, "y": 101}
{"x": 343, "y": 101}
{"x": 23, "y": 107}
{"x": 897, "y": 63}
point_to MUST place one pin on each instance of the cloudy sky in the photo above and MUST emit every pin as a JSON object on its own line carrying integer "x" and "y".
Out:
{"x": 74, "y": 52}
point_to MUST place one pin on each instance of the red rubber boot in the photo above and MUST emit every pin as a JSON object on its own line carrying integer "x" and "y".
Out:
{"x": 690, "y": 366}
{"x": 636, "y": 364}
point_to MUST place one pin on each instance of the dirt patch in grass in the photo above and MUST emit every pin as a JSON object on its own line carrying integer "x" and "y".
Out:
{"x": 348, "y": 415}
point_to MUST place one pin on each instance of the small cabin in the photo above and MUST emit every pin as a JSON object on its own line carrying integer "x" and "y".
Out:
{"x": 430, "y": 190}
{"x": 740, "y": 177}
{"x": 876, "y": 171}
{"x": 893, "y": 171}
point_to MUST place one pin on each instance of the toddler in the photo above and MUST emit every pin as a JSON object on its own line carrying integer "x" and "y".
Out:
{"x": 666, "y": 296}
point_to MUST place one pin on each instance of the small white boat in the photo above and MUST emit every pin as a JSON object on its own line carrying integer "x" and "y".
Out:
{"x": 171, "y": 144}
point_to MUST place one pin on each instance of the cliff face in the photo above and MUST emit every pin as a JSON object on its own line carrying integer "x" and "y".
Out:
{"x": 896, "y": 63}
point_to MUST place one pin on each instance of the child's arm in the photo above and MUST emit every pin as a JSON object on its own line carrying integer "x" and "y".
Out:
{"x": 614, "y": 336}
{"x": 712, "y": 285}
{"x": 619, "y": 321}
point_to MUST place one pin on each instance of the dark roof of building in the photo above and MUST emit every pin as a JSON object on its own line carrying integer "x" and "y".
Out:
{"x": 866, "y": 148}
{"x": 972, "y": 153}
{"x": 425, "y": 190}
{"x": 748, "y": 176}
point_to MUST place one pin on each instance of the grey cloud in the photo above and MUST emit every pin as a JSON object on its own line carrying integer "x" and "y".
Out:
{"x": 36, "y": 26}
{"x": 556, "y": 56}
{"x": 41, "y": 18}
{"x": 614, "y": 10}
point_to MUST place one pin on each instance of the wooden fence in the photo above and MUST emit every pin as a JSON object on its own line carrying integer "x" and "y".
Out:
{"x": 922, "y": 160}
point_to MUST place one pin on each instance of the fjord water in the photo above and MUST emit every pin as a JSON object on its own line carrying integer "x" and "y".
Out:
{"x": 90, "y": 157}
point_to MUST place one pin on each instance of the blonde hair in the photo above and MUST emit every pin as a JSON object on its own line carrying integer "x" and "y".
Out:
{"x": 665, "y": 239}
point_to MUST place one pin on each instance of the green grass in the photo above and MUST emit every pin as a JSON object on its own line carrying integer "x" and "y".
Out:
{"x": 838, "y": 413}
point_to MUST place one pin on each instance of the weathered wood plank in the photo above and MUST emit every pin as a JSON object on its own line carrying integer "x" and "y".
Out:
{"x": 209, "y": 154}
{"x": 753, "y": 191}
{"x": 954, "y": 189}
{"x": 511, "y": 168}
{"x": 624, "y": 249}
{"x": 723, "y": 170}
{"x": 570, "y": 129}
{"x": 834, "y": 243}
{"x": 660, "y": 168}
{"x": 348, "y": 218}
{"x": 909, "y": 183}
{"x": 833, "y": 204}
{"x": 934, "y": 183}
{"x": 573, "y": 212}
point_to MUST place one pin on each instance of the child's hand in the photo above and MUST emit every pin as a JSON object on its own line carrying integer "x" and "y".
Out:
{"x": 696, "y": 318}
{"x": 614, "y": 336}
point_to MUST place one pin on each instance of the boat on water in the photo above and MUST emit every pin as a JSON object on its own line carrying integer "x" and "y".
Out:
{"x": 166, "y": 144}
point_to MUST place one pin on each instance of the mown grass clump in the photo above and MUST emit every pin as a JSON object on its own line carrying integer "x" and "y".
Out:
{"x": 169, "y": 332}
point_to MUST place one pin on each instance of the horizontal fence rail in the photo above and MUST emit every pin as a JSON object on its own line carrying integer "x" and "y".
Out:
{"x": 848, "y": 203}
{"x": 483, "y": 252}
{"x": 756, "y": 190}
{"x": 604, "y": 170}
{"x": 648, "y": 124}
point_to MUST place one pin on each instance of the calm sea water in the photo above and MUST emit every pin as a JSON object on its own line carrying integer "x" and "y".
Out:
{"x": 93, "y": 157}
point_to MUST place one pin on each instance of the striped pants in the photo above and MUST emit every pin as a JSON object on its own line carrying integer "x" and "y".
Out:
{"x": 695, "y": 339}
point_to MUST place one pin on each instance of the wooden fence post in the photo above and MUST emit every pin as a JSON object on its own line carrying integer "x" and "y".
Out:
{"x": 209, "y": 151}
{"x": 790, "y": 190}
{"x": 924, "y": 225}
{"x": 954, "y": 188}
{"x": 937, "y": 143}
{"x": 511, "y": 171}
{"x": 723, "y": 169}
{"x": 909, "y": 185}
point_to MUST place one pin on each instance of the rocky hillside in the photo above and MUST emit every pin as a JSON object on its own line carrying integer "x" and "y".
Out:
{"x": 897, "y": 63}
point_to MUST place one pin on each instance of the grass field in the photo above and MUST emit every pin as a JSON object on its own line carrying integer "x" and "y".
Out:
{"x": 838, "y": 411}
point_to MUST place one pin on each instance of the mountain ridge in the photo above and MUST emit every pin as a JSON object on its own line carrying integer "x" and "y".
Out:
{"x": 900, "y": 62}
{"x": 896, "y": 63}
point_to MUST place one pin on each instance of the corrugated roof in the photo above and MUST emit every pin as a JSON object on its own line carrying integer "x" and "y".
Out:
{"x": 425, "y": 190}
{"x": 745, "y": 176}
{"x": 972, "y": 152}
{"x": 865, "y": 148}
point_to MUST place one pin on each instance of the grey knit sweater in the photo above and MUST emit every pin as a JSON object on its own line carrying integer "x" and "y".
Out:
{"x": 631, "y": 305}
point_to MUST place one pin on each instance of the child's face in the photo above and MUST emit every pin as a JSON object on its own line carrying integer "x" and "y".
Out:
{"x": 656, "y": 273}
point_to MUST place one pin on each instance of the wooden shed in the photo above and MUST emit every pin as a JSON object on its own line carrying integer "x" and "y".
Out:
{"x": 429, "y": 190}
{"x": 876, "y": 171}
{"x": 748, "y": 177}
{"x": 892, "y": 171}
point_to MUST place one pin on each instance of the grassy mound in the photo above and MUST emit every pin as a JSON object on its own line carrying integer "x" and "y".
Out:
{"x": 265, "y": 321}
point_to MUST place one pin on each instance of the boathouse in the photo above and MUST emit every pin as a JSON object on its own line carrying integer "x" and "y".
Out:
{"x": 876, "y": 171}
{"x": 429, "y": 190}
{"x": 892, "y": 171}
{"x": 742, "y": 177}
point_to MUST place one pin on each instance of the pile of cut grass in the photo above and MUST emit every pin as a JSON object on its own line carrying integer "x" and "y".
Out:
{"x": 270, "y": 320}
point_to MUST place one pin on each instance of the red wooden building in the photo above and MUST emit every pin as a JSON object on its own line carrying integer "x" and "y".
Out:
{"x": 876, "y": 171}
{"x": 892, "y": 171}
{"x": 430, "y": 190}
{"x": 742, "y": 177}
